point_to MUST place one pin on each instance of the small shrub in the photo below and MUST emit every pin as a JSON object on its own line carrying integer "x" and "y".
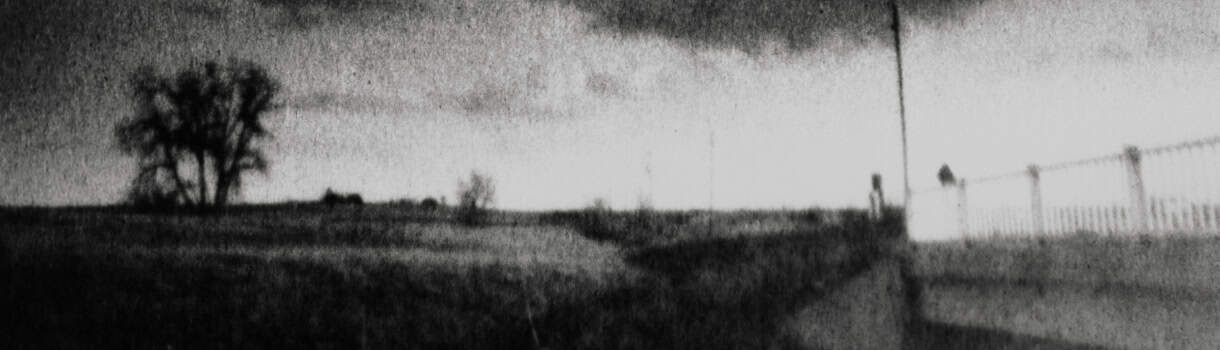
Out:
{"x": 429, "y": 204}
{"x": 406, "y": 203}
{"x": 332, "y": 198}
{"x": 472, "y": 216}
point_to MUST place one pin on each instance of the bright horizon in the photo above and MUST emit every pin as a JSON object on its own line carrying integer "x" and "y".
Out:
{"x": 399, "y": 102}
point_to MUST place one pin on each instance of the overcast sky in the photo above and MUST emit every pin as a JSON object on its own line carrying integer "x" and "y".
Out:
{"x": 757, "y": 104}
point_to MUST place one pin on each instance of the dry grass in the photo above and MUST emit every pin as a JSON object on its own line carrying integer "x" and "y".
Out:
{"x": 302, "y": 277}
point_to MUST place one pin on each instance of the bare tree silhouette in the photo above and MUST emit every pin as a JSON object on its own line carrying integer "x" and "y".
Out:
{"x": 204, "y": 122}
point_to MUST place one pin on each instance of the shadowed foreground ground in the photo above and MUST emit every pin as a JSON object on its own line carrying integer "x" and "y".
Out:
{"x": 374, "y": 279}
{"x": 942, "y": 336}
{"x": 1138, "y": 292}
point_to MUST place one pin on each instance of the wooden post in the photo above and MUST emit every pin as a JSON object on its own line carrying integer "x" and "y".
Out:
{"x": 1038, "y": 227}
{"x": 1138, "y": 196}
{"x": 876, "y": 199}
{"x": 963, "y": 219}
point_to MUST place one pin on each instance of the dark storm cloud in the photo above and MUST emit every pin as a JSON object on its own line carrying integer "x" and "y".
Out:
{"x": 354, "y": 103}
{"x": 499, "y": 100}
{"x": 748, "y": 24}
{"x": 203, "y": 10}
{"x": 491, "y": 99}
{"x": 306, "y": 14}
{"x": 36, "y": 39}
{"x": 49, "y": 49}
{"x": 347, "y": 6}
{"x": 1170, "y": 39}
{"x": 605, "y": 85}
{"x": 488, "y": 99}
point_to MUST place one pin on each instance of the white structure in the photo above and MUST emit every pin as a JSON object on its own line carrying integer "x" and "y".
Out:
{"x": 1170, "y": 190}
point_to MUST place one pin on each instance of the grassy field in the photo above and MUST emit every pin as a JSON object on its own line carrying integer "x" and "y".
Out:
{"x": 383, "y": 277}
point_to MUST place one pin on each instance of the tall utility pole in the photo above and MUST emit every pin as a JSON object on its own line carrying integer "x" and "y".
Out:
{"x": 711, "y": 174}
{"x": 896, "y": 25}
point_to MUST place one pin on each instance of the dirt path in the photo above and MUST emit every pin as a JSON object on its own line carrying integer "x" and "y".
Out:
{"x": 930, "y": 335}
{"x": 1123, "y": 317}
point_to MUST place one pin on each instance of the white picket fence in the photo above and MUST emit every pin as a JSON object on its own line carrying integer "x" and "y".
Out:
{"x": 1168, "y": 190}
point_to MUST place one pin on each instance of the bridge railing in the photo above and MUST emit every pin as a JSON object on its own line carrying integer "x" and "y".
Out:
{"x": 1168, "y": 190}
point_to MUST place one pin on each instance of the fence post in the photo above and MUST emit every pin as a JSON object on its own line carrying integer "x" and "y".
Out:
{"x": 1035, "y": 200}
{"x": 963, "y": 222}
{"x": 1135, "y": 183}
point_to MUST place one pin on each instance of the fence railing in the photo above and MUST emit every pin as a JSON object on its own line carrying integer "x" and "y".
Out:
{"x": 1168, "y": 190}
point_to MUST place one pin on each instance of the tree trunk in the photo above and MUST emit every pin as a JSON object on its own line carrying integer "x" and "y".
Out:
{"x": 223, "y": 183}
{"x": 227, "y": 165}
{"x": 223, "y": 180}
{"x": 179, "y": 183}
{"x": 203, "y": 180}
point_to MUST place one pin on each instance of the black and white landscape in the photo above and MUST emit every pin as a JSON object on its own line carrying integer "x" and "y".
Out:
{"x": 581, "y": 174}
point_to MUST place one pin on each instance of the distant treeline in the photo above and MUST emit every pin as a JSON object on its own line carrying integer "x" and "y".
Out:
{"x": 651, "y": 227}
{"x": 638, "y": 227}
